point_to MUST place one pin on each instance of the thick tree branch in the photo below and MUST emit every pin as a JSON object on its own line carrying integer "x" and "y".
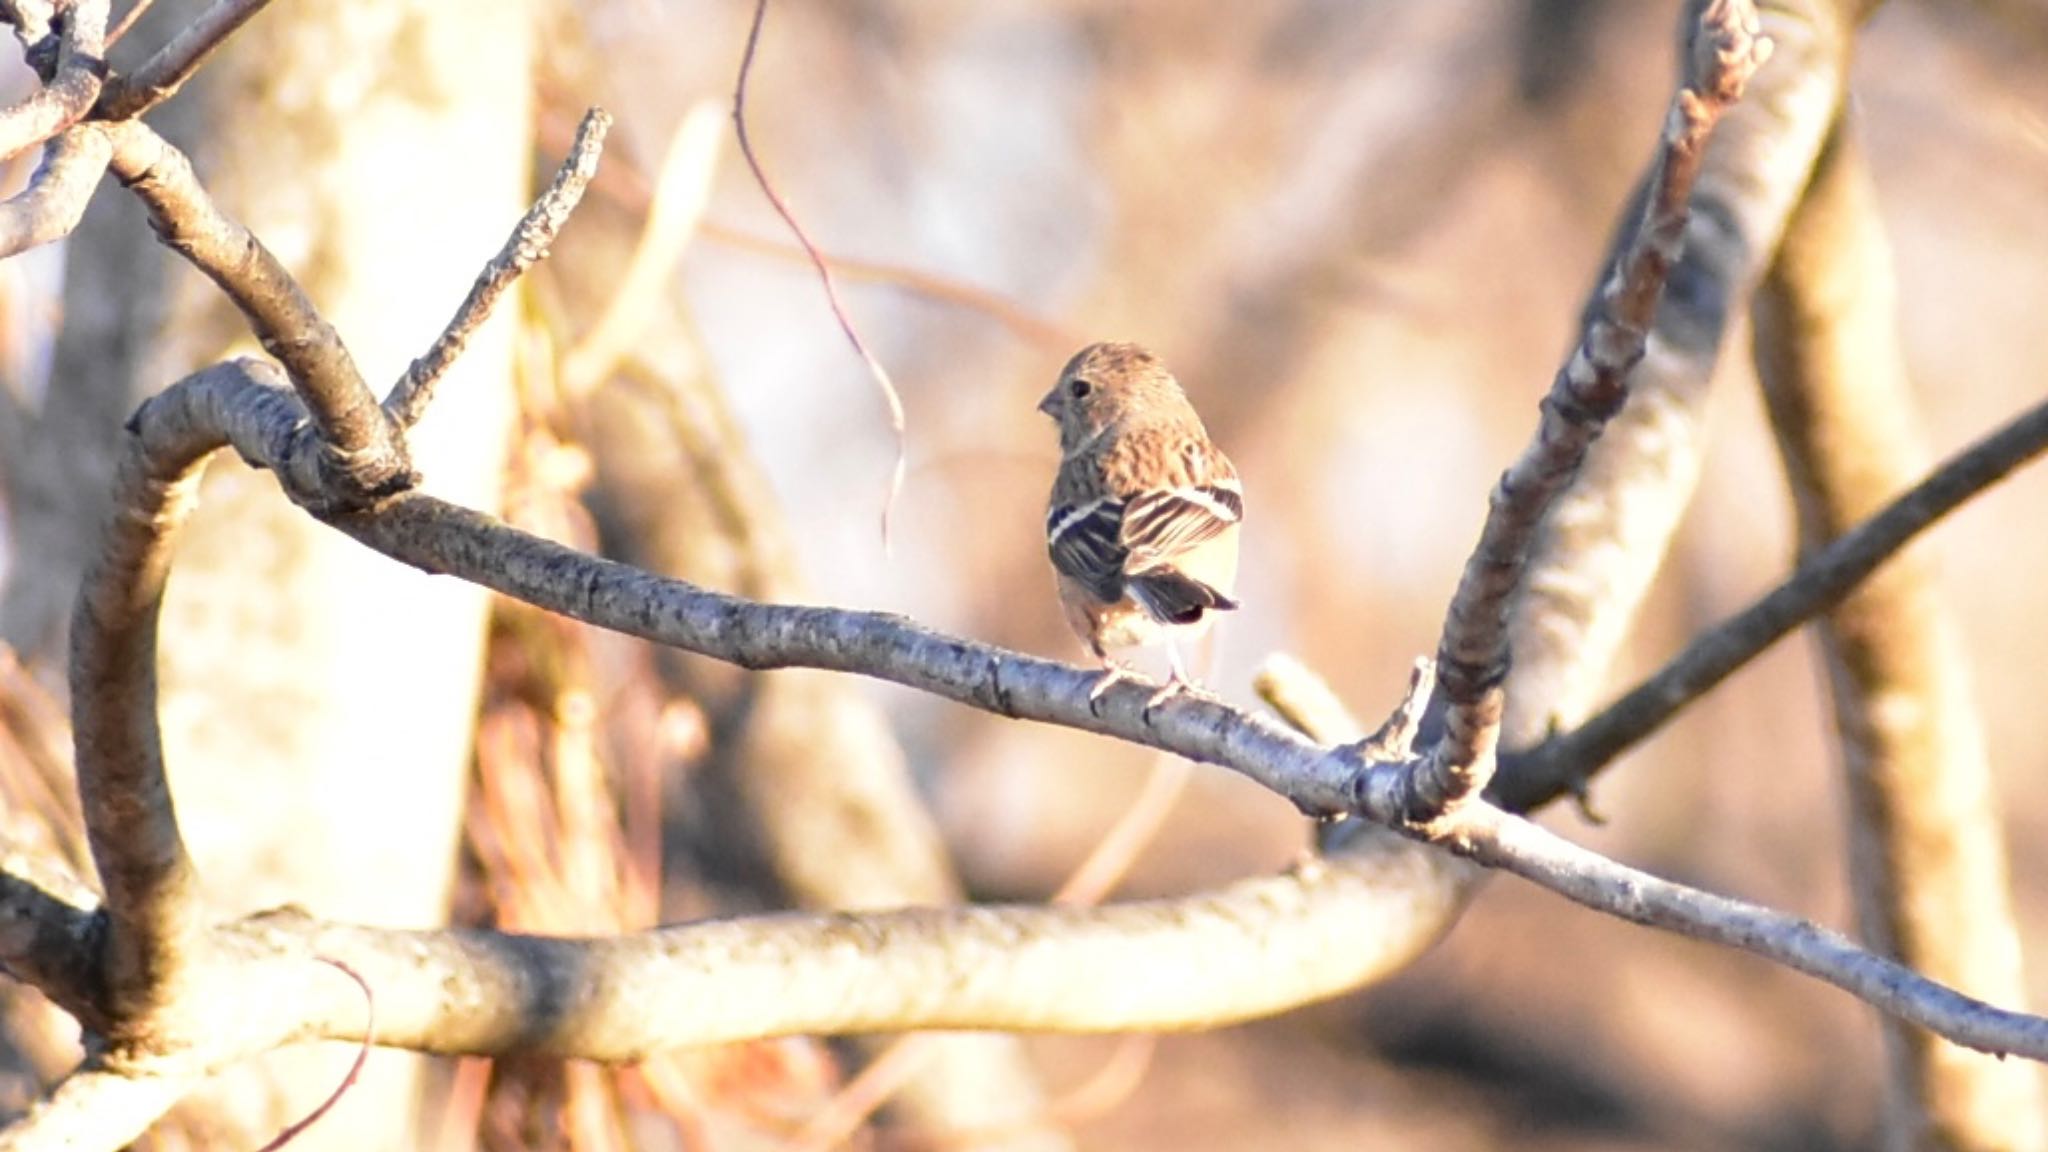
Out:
{"x": 1927, "y": 850}
{"x": 1244, "y": 951}
{"x": 50, "y": 207}
{"x": 97, "y": 1107}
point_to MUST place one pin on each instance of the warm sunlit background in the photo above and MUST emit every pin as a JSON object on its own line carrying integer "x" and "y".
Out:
{"x": 1361, "y": 233}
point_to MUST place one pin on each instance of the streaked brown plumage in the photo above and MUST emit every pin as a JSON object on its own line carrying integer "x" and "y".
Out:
{"x": 1143, "y": 523}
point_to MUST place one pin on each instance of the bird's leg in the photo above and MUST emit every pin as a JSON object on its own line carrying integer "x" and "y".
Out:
{"x": 1113, "y": 673}
{"x": 1178, "y": 683}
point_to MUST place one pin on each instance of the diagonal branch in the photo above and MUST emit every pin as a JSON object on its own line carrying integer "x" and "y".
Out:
{"x": 160, "y": 76}
{"x": 1820, "y": 583}
{"x": 527, "y": 246}
{"x": 362, "y": 448}
{"x": 1472, "y": 661}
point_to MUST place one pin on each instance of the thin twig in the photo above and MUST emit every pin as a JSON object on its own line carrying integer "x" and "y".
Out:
{"x": 1472, "y": 660}
{"x": 160, "y": 76}
{"x": 135, "y": 12}
{"x": 527, "y": 245}
{"x": 1021, "y": 321}
{"x": 1818, "y": 585}
{"x": 71, "y": 89}
{"x": 782, "y": 209}
{"x": 355, "y": 1068}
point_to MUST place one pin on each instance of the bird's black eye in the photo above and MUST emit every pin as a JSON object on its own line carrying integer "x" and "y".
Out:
{"x": 1079, "y": 388}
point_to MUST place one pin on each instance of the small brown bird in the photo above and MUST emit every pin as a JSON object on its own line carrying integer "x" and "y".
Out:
{"x": 1144, "y": 517}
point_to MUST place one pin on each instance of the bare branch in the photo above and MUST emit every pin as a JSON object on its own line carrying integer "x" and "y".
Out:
{"x": 1240, "y": 952}
{"x": 527, "y": 245}
{"x": 160, "y": 76}
{"x": 136, "y": 11}
{"x": 71, "y": 89}
{"x": 97, "y": 1107}
{"x": 1498, "y": 840}
{"x": 361, "y": 445}
{"x": 1820, "y": 583}
{"x": 1472, "y": 661}
{"x": 50, "y": 207}
{"x": 1927, "y": 849}
{"x": 153, "y": 899}
{"x": 880, "y": 374}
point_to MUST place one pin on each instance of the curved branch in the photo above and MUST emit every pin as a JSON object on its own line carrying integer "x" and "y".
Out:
{"x": 363, "y": 448}
{"x": 54, "y": 201}
{"x": 1248, "y": 950}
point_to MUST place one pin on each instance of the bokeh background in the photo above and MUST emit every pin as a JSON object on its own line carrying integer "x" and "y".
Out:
{"x": 1361, "y": 232}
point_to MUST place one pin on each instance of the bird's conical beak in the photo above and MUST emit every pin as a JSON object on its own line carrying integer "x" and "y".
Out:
{"x": 1050, "y": 405}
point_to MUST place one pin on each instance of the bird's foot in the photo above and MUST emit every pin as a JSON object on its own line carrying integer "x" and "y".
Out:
{"x": 1113, "y": 674}
{"x": 1177, "y": 684}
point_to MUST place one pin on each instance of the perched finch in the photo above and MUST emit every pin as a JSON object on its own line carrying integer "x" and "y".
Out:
{"x": 1144, "y": 517}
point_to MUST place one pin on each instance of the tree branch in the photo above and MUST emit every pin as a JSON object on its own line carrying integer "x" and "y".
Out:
{"x": 527, "y": 245}
{"x": 1605, "y": 538}
{"x": 1927, "y": 850}
{"x": 1498, "y": 840}
{"x": 97, "y": 1107}
{"x": 69, "y": 88}
{"x": 50, "y": 207}
{"x": 1472, "y": 657}
{"x": 363, "y": 450}
{"x": 160, "y": 76}
{"x": 1819, "y": 584}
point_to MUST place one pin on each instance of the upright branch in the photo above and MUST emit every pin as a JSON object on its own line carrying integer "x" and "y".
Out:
{"x": 527, "y": 246}
{"x": 1472, "y": 659}
{"x": 155, "y": 918}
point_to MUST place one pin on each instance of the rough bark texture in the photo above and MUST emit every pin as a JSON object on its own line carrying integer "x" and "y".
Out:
{"x": 1928, "y": 851}
{"x": 317, "y": 700}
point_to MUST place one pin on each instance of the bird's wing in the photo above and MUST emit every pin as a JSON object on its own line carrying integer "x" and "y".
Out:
{"x": 1162, "y": 523}
{"x": 1085, "y": 540}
